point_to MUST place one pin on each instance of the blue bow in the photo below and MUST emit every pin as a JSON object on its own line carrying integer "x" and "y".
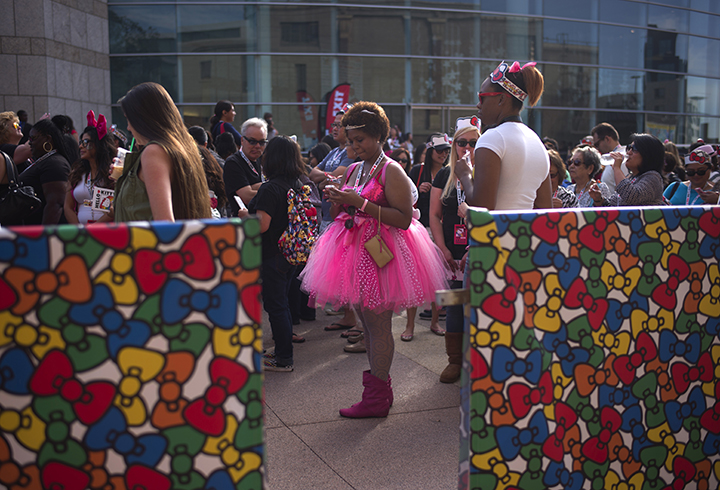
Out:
{"x": 709, "y": 248}
{"x": 618, "y": 311}
{"x": 549, "y": 255}
{"x": 101, "y": 310}
{"x": 632, "y": 421}
{"x": 111, "y": 432}
{"x": 25, "y": 252}
{"x": 506, "y": 364}
{"x": 609, "y": 396}
{"x": 219, "y": 480}
{"x": 711, "y": 446}
{"x": 637, "y": 227}
{"x": 557, "y": 474}
{"x": 676, "y": 412}
{"x": 167, "y": 232}
{"x": 179, "y": 299}
{"x": 712, "y": 326}
{"x": 670, "y": 346}
{"x": 16, "y": 369}
{"x": 511, "y": 440}
{"x": 569, "y": 356}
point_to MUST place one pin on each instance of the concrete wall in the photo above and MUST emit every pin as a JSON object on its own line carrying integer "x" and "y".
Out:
{"x": 54, "y": 58}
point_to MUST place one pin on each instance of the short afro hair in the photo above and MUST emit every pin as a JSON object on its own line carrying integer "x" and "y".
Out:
{"x": 369, "y": 117}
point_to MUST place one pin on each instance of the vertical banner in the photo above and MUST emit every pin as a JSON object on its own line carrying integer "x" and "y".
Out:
{"x": 308, "y": 117}
{"x": 338, "y": 98}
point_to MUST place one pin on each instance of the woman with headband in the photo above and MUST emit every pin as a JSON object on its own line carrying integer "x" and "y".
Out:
{"x": 696, "y": 191}
{"x": 511, "y": 164}
{"x": 374, "y": 255}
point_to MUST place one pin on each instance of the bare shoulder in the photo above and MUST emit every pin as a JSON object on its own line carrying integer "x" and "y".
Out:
{"x": 154, "y": 151}
{"x": 394, "y": 171}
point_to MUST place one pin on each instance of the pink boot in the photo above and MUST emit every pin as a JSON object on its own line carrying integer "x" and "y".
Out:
{"x": 375, "y": 399}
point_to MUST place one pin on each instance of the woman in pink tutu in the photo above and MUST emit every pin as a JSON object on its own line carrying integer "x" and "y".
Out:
{"x": 341, "y": 270}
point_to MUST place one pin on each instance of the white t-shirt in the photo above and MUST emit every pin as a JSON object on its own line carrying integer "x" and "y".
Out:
{"x": 525, "y": 163}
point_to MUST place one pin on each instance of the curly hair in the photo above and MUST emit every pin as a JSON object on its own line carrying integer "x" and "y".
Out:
{"x": 7, "y": 129}
{"x": 369, "y": 117}
{"x": 591, "y": 157}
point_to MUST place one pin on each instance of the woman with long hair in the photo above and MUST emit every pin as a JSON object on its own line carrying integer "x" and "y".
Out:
{"x": 512, "y": 166}
{"x": 645, "y": 158}
{"x": 221, "y": 121}
{"x": 341, "y": 270}
{"x": 165, "y": 180}
{"x": 48, "y": 174}
{"x": 447, "y": 222}
{"x": 97, "y": 149}
{"x": 402, "y": 156}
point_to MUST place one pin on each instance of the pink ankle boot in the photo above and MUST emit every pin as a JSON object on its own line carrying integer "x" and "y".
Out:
{"x": 375, "y": 399}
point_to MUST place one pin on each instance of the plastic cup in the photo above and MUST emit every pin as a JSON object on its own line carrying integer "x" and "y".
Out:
{"x": 119, "y": 163}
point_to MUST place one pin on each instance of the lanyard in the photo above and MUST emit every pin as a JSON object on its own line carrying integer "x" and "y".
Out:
{"x": 357, "y": 188}
{"x": 687, "y": 197}
{"x": 252, "y": 167}
{"x": 460, "y": 193}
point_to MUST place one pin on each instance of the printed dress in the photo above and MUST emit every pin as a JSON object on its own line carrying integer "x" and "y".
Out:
{"x": 340, "y": 271}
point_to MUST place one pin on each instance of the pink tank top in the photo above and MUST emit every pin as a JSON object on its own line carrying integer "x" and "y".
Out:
{"x": 374, "y": 191}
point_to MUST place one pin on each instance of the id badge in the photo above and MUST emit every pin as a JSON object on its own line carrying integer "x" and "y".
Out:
{"x": 460, "y": 235}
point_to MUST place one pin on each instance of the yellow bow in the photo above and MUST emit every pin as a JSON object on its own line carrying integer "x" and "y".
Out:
{"x": 709, "y": 388}
{"x": 497, "y": 334}
{"x": 560, "y": 381}
{"x": 238, "y": 464}
{"x": 662, "y": 434}
{"x": 641, "y": 321}
{"x": 547, "y": 318}
{"x": 613, "y": 481}
{"x": 138, "y": 366}
{"x": 487, "y": 234}
{"x": 38, "y": 340}
{"x": 710, "y": 303}
{"x": 615, "y": 280}
{"x": 659, "y": 231}
{"x": 618, "y": 343}
{"x": 119, "y": 279}
{"x": 28, "y": 428}
{"x": 228, "y": 343}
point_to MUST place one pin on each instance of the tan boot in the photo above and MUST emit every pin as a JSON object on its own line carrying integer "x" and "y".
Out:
{"x": 356, "y": 347}
{"x": 453, "y": 347}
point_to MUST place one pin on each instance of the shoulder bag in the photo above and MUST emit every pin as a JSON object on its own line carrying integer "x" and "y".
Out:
{"x": 20, "y": 201}
{"x": 377, "y": 248}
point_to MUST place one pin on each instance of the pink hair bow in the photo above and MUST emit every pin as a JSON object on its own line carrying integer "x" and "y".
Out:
{"x": 100, "y": 125}
{"x": 516, "y": 66}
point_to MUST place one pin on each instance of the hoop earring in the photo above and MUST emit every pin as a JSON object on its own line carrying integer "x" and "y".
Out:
{"x": 46, "y": 150}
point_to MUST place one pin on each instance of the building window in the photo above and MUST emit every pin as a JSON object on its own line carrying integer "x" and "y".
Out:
{"x": 299, "y": 33}
{"x": 205, "y": 70}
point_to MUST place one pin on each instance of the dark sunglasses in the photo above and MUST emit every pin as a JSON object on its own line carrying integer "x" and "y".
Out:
{"x": 86, "y": 142}
{"x": 254, "y": 142}
{"x": 575, "y": 162}
{"x": 700, "y": 172}
{"x": 630, "y": 147}
{"x": 403, "y": 160}
{"x": 349, "y": 223}
{"x": 464, "y": 143}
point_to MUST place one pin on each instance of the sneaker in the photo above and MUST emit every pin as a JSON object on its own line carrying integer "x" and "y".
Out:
{"x": 272, "y": 365}
{"x": 269, "y": 355}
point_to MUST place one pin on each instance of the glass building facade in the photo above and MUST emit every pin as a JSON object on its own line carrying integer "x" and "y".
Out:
{"x": 643, "y": 66}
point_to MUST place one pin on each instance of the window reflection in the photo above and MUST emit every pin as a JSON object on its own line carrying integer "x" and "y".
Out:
{"x": 142, "y": 29}
{"x": 668, "y": 18}
{"x": 212, "y": 28}
{"x": 570, "y": 42}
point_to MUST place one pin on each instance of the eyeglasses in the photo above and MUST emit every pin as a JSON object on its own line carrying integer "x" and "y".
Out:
{"x": 86, "y": 143}
{"x": 575, "y": 162}
{"x": 597, "y": 143}
{"x": 464, "y": 143}
{"x": 255, "y": 142}
{"x": 490, "y": 94}
{"x": 700, "y": 172}
{"x": 336, "y": 125}
{"x": 16, "y": 125}
{"x": 630, "y": 147}
{"x": 403, "y": 160}
{"x": 350, "y": 222}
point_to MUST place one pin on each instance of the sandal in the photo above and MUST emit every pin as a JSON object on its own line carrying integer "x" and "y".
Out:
{"x": 406, "y": 337}
{"x": 337, "y": 326}
{"x": 438, "y": 331}
{"x": 297, "y": 339}
{"x": 351, "y": 333}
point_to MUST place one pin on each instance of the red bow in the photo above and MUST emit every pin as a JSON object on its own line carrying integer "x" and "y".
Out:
{"x": 577, "y": 296}
{"x": 711, "y": 418}
{"x": 206, "y": 414}
{"x": 596, "y": 448}
{"x": 55, "y": 375}
{"x": 665, "y": 294}
{"x": 684, "y": 472}
{"x": 100, "y": 124}
{"x": 59, "y": 475}
{"x": 70, "y": 281}
{"x": 516, "y": 66}
{"x": 194, "y": 259}
{"x": 626, "y": 366}
{"x": 523, "y": 398}
{"x": 555, "y": 445}
{"x": 501, "y": 306}
{"x": 587, "y": 378}
{"x": 141, "y": 478}
{"x": 168, "y": 410}
{"x": 683, "y": 375}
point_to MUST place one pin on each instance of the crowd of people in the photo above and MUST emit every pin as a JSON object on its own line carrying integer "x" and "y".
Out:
{"x": 392, "y": 215}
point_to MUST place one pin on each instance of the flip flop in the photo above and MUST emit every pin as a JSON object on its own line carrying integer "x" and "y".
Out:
{"x": 440, "y": 331}
{"x": 297, "y": 339}
{"x": 350, "y": 333}
{"x": 406, "y": 337}
{"x": 337, "y": 326}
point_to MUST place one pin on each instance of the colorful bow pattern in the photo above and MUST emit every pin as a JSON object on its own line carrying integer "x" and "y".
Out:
{"x": 607, "y": 372}
{"x": 128, "y": 357}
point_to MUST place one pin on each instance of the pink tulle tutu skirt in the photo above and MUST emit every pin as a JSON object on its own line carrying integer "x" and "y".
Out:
{"x": 340, "y": 271}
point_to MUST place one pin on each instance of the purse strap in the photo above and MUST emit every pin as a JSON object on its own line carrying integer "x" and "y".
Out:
{"x": 11, "y": 170}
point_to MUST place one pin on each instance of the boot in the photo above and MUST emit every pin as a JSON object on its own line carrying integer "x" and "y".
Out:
{"x": 375, "y": 399}
{"x": 453, "y": 347}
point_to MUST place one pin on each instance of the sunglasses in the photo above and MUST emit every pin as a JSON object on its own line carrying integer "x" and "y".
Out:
{"x": 464, "y": 143}
{"x": 16, "y": 125}
{"x": 445, "y": 150}
{"x": 630, "y": 147}
{"x": 700, "y": 172}
{"x": 349, "y": 223}
{"x": 490, "y": 94}
{"x": 336, "y": 125}
{"x": 255, "y": 142}
{"x": 86, "y": 143}
{"x": 575, "y": 162}
{"x": 403, "y": 160}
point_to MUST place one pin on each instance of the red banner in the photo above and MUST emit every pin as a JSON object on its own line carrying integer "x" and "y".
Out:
{"x": 338, "y": 98}
{"x": 308, "y": 115}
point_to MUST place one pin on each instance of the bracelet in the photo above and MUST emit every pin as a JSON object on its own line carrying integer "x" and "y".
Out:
{"x": 363, "y": 206}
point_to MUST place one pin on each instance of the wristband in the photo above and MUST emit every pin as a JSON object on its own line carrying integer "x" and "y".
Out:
{"x": 363, "y": 206}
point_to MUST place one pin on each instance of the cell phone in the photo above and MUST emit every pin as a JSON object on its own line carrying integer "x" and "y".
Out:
{"x": 240, "y": 202}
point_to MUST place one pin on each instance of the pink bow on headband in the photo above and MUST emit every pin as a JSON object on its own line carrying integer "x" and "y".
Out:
{"x": 100, "y": 125}
{"x": 516, "y": 66}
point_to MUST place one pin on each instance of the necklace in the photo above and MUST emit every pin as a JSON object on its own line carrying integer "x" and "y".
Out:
{"x": 580, "y": 194}
{"x": 359, "y": 188}
{"x": 252, "y": 167}
{"x": 46, "y": 155}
